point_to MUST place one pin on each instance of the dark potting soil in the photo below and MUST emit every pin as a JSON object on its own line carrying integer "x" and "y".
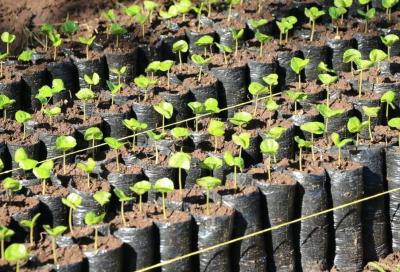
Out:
{"x": 74, "y": 116}
{"x": 71, "y": 170}
{"x": 253, "y": 54}
{"x": 192, "y": 195}
{"x": 184, "y": 71}
{"x": 331, "y": 162}
{"x": 233, "y": 61}
{"x": 381, "y": 135}
{"x": 9, "y": 125}
{"x": 51, "y": 190}
{"x": 57, "y": 128}
{"x": 232, "y": 24}
{"x": 30, "y": 139}
{"x": 104, "y": 243}
{"x": 308, "y": 165}
{"x": 80, "y": 183}
{"x": 276, "y": 177}
{"x": 12, "y": 73}
{"x": 309, "y": 87}
{"x": 154, "y": 212}
{"x": 207, "y": 79}
{"x": 215, "y": 209}
{"x": 16, "y": 204}
{"x": 111, "y": 167}
{"x": 134, "y": 219}
{"x": 162, "y": 86}
{"x": 389, "y": 263}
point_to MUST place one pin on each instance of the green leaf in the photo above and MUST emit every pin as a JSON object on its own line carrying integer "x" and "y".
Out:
{"x": 205, "y": 40}
{"x": 241, "y": 118}
{"x": 216, "y": 128}
{"x": 377, "y": 55}
{"x": 121, "y": 195}
{"x": 199, "y": 60}
{"x": 180, "y": 46}
{"x": 93, "y": 133}
{"x": 298, "y": 64}
{"x": 255, "y": 24}
{"x": 369, "y": 15}
{"x": 30, "y": 223}
{"x": 211, "y": 105}
{"x": 20, "y": 155}
{"x": 275, "y": 132}
{"x": 144, "y": 82}
{"x": 165, "y": 109}
{"x": 6, "y": 233}
{"x": 114, "y": 88}
{"x": 295, "y": 96}
{"x": 394, "y": 123}
{"x": 42, "y": 172}
{"x": 388, "y": 97}
{"x": 92, "y": 219}
{"x": 269, "y": 146}
{"x": 56, "y": 231}
{"x": 271, "y": 105}
{"x": 46, "y": 28}
{"x": 52, "y": 112}
{"x": 375, "y": 266}
{"x": 27, "y": 164}
{"x": 150, "y": 5}
{"x": 6, "y": 37}
{"x": 180, "y": 132}
{"x": 388, "y": 4}
{"x": 65, "y": 143}
{"x": 94, "y": 80}
{"x": 354, "y": 125}
{"x": 371, "y": 111}
{"x": 313, "y": 127}
{"x": 224, "y": 48}
{"x": 339, "y": 143}
{"x": 26, "y": 55}
{"x": 180, "y": 160}
{"x": 313, "y": 13}
{"x": 113, "y": 143}
{"x": 197, "y": 107}
{"x": 327, "y": 79}
{"x": 363, "y": 64}
{"x": 22, "y": 116}
{"x": 322, "y": 67}
{"x": 327, "y": 112}
{"x": 271, "y": 79}
{"x": 336, "y": 12}
{"x": 55, "y": 39}
{"x": 85, "y": 94}
{"x": 154, "y": 136}
{"x": 256, "y": 88}
{"x": 102, "y": 197}
{"x": 117, "y": 29}
{"x": 12, "y": 185}
{"x": 87, "y": 167}
{"x": 302, "y": 143}
{"x": 211, "y": 163}
{"x": 69, "y": 27}
{"x": 72, "y": 201}
{"x": 390, "y": 39}
{"x": 16, "y": 253}
{"x": 5, "y": 102}
{"x": 351, "y": 55}
{"x": 133, "y": 124}
{"x": 236, "y": 35}
{"x": 166, "y": 65}
{"x": 132, "y": 10}
{"x": 141, "y": 187}
{"x": 242, "y": 140}
{"x": 343, "y": 3}
{"x": 164, "y": 185}
{"x": 208, "y": 183}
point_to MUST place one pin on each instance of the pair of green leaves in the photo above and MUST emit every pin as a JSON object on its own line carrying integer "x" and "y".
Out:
{"x": 209, "y": 106}
{"x": 165, "y": 109}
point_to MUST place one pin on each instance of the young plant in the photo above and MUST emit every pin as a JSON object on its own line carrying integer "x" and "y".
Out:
{"x": 16, "y": 253}
{"x": 141, "y": 20}
{"x": 286, "y": 24}
{"x": 140, "y": 188}
{"x": 235, "y": 162}
{"x": 395, "y": 123}
{"x": 8, "y": 39}
{"x": 346, "y": 4}
{"x": 225, "y": 50}
{"x": 46, "y": 29}
{"x": 301, "y": 143}
{"x": 11, "y": 186}
{"x": 179, "y": 134}
{"x": 216, "y": 129}
{"x": 211, "y": 164}
{"x": 144, "y": 83}
{"x": 150, "y": 6}
{"x": 198, "y": 11}
{"x": 231, "y": 3}
{"x": 335, "y": 13}
{"x": 116, "y": 145}
{"x": 3, "y": 56}
{"x": 93, "y": 134}
{"x": 327, "y": 80}
{"x": 181, "y": 161}
{"x": 165, "y": 66}
{"x": 118, "y": 72}
{"x": 339, "y": 144}
{"x": 298, "y": 65}
{"x": 205, "y": 41}
{"x": 114, "y": 89}
{"x": 271, "y": 106}
{"x": 389, "y": 40}
{"x": 102, "y": 197}
{"x": 388, "y": 5}
{"x": 271, "y": 80}
{"x": 56, "y": 41}
{"x": 166, "y": 110}
{"x": 122, "y": 197}
{"x": 156, "y": 138}
{"x": 168, "y": 15}
{"x": 256, "y": 24}
{"x": 262, "y": 39}
{"x": 24, "y": 162}
{"x": 314, "y": 128}
{"x": 22, "y": 117}
{"x": 208, "y": 183}
{"x": 242, "y": 140}
{"x": 88, "y": 168}
{"x": 64, "y": 144}
{"x": 164, "y": 185}
{"x": 26, "y": 55}
{"x": 43, "y": 173}
{"x": 131, "y": 11}
{"x": 327, "y": 112}
{"x": 351, "y": 56}
{"x": 117, "y": 30}
{"x": 296, "y": 96}
{"x": 51, "y": 113}
{"x": 362, "y": 65}
{"x": 275, "y": 132}
{"x": 388, "y": 98}
{"x": 371, "y": 112}
{"x": 87, "y": 42}
{"x": 134, "y": 126}
{"x": 313, "y": 14}
{"x": 200, "y": 61}
{"x": 236, "y": 35}
{"x": 368, "y": 16}
{"x": 354, "y": 125}
{"x": 72, "y": 201}
{"x": 198, "y": 108}
{"x": 257, "y": 89}
{"x": 377, "y": 56}
{"x": 180, "y": 47}
{"x": 85, "y": 95}
{"x": 91, "y": 219}
{"x": 92, "y": 80}
{"x": 30, "y": 225}
{"x": 240, "y": 119}
{"x": 5, "y": 235}
{"x": 69, "y": 28}
{"x": 5, "y": 103}
{"x": 183, "y": 7}
{"x": 54, "y": 233}
{"x": 269, "y": 147}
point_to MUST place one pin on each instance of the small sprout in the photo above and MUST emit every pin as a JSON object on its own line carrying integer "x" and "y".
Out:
{"x": 56, "y": 41}
{"x": 368, "y": 16}
{"x": 388, "y": 98}
{"x": 88, "y": 168}
{"x": 181, "y": 161}
{"x": 269, "y": 147}
{"x": 87, "y": 42}
{"x": 43, "y": 173}
{"x": 231, "y": 3}
{"x": 297, "y": 65}
{"x": 16, "y": 253}
{"x": 164, "y": 185}
{"x": 256, "y": 24}
{"x": 395, "y": 123}
{"x": 156, "y": 138}
{"x": 116, "y": 145}
{"x": 371, "y": 112}
{"x": 122, "y": 197}
{"x": 236, "y": 162}
{"x": 72, "y": 202}
{"x": 26, "y": 56}
{"x": 296, "y": 96}
{"x": 211, "y": 163}
{"x": 70, "y": 28}
{"x": 262, "y": 38}
{"x": 362, "y": 65}
{"x": 166, "y": 110}
{"x": 150, "y": 6}
{"x": 346, "y": 4}
{"x": 117, "y": 30}
{"x": 205, "y": 41}
{"x": 134, "y": 126}
{"x": 200, "y": 61}
{"x": 216, "y": 129}
{"x": 388, "y": 5}
{"x": 236, "y": 35}
{"x": 183, "y": 7}
{"x": 85, "y": 95}
{"x": 284, "y": 26}
{"x": 208, "y": 183}
{"x": 22, "y": 117}
{"x": 46, "y": 29}
{"x": 275, "y": 132}
{"x": 119, "y": 72}
{"x": 225, "y": 49}
{"x": 327, "y": 112}
{"x": 114, "y": 88}
{"x": 51, "y": 113}
{"x": 240, "y": 119}
{"x": 354, "y": 125}
{"x": 64, "y": 144}
{"x": 257, "y": 89}
{"x": 335, "y": 13}
{"x": 140, "y": 188}
{"x": 322, "y": 67}
{"x": 5, "y": 102}
{"x": 377, "y": 56}
{"x": 242, "y": 140}
{"x": 165, "y": 66}
{"x": 271, "y": 80}
{"x": 271, "y": 106}
{"x": 314, "y": 128}
{"x": 8, "y": 39}
{"x": 313, "y": 14}
{"x": 167, "y": 15}
{"x": 11, "y": 186}
{"x": 30, "y": 224}
{"x": 180, "y": 47}
{"x": 131, "y": 11}
{"x": 339, "y": 143}
{"x": 102, "y": 197}
{"x": 180, "y": 133}
{"x": 91, "y": 219}
{"x": 327, "y": 80}
{"x": 198, "y": 11}
{"x": 2, "y": 57}
{"x": 389, "y": 40}
{"x": 92, "y": 81}
{"x": 93, "y": 134}
{"x": 350, "y": 56}
{"x": 54, "y": 233}
{"x": 24, "y": 162}
{"x": 144, "y": 83}
{"x": 198, "y": 108}
{"x": 301, "y": 143}
{"x": 5, "y": 235}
